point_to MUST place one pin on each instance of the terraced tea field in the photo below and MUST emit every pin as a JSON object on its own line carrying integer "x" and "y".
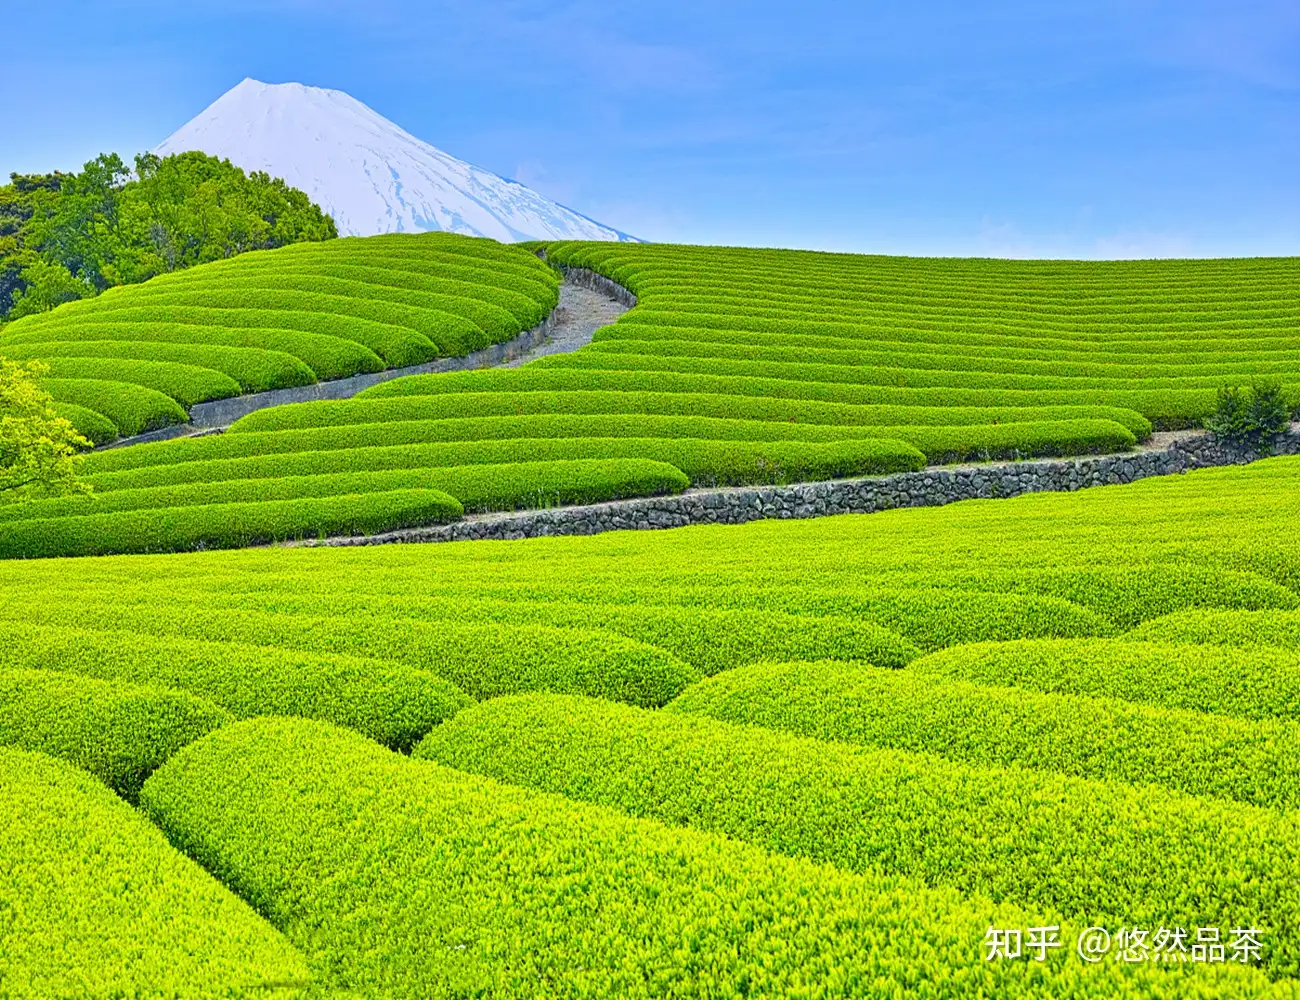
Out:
{"x": 816, "y": 758}
{"x": 139, "y": 356}
{"x": 737, "y": 367}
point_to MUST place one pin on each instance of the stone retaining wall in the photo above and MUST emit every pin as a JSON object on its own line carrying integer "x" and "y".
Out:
{"x": 585, "y": 278}
{"x": 926, "y": 488}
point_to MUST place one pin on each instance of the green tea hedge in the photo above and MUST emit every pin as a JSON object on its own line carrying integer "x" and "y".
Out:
{"x": 329, "y": 353}
{"x": 94, "y": 427}
{"x": 264, "y": 320}
{"x": 223, "y": 492}
{"x": 388, "y": 701}
{"x": 117, "y": 732}
{"x": 223, "y": 525}
{"x": 254, "y": 369}
{"x": 940, "y": 443}
{"x": 1127, "y": 594}
{"x": 710, "y": 461}
{"x": 1255, "y": 761}
{"x": 1102, "y": 852}
{"x": 476, "y": 487}
{"x": 98, "y": 904}
{"x": 797, "y": 416}
{"x": 406, "y": 879}
{"x": 484, "y": 661}
{"x": 915, "y": 378}
{"x": 1227, "y": 628}
{"x": 1253, "y": 684}
{"x": 187, "y": 384}
{"x": 133, "y": 409}
{"x": 708, "y": 639}
{"x": 1167, "y": 409}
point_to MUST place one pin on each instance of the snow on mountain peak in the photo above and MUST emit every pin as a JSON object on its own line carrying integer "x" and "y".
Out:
{"x": 369, "y": 174}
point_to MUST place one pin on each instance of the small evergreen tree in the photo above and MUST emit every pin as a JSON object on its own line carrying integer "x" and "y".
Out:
{"x": 1250, "y": 418}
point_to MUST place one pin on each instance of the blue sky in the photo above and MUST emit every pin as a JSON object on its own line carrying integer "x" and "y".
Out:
{"x": 1008, "y": 128}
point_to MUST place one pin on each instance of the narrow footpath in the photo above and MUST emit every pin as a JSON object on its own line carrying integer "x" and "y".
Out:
{"x": 587, "y": 302}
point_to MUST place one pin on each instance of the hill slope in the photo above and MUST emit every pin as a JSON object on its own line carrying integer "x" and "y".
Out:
{"x": 140, "y": 354}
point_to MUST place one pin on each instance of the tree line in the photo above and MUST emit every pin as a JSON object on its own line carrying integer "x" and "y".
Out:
{"x": 66, "y": 236}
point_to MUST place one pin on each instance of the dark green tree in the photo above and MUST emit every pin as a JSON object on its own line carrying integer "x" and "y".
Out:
{"x": 66, "y": 236}
{"x": 1250, "y": 418}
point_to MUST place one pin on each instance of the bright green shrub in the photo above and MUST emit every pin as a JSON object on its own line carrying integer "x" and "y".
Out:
{"x": 1227, "y": 628}
{"x": 1105, "y": 853}
{"x": 94, "y": 427}
{"x": 117, "y": 732}
{"x": 863, "y": 375}
{"x": 1028, "y": 440}
{"x": 98, "y": 904}
{"x": 226, "y": 492}
{"x": 328, "y": 355}
{"x": 387, "y": 701}
{"x": 790, "y": 417}
{"x": 223, "y": 525}
{"x": 419, "y": 334}
{"x": 1251, "y": 417}
{"x": 722, "y": 461}
{"x": 254, "y": 369}
{"x": 1253, "y": 761}
{"x": 707, "y": 639}
{"x": 484, "y": 661}
{"x": 477, "y": 487}
{"x": 1259, "y": 684}
{"x": 531, "y": 894}
{"x": 1166, "y": 408}
{"x": 1127, "y": 594}
{"x": 187, "y": 384}
{"x": 132, "y": 408}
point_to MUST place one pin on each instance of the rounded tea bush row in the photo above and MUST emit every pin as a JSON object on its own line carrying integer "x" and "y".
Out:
{"x": 1105, "y": 853}
{"x": 386, "y": 855}
{"x": 271, "y": 319}
{"x": 107, "y": 907}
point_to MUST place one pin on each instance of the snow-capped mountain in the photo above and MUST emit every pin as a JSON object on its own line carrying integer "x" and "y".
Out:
{"x": 369, "y": 174}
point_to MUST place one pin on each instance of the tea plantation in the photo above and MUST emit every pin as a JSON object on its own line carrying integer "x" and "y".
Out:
{"x": 737, "y": 367}
{"x": 826, "y": 758}
{"x": 137, "y": 357}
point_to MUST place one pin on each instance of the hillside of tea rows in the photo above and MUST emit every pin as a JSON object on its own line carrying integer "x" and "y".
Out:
{"x": 823, "y": 758}
{"x": 736, "y": 367}
{"x": 139, "y": 356}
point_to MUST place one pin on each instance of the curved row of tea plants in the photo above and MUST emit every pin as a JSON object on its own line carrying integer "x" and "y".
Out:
{"x": 280, "y": 318}
{"x": 1158, "y": 337}
{"x": 737, "y": 367}
{"x": 1080, "y": 705}
{"x": 98, "y": 904}
{"x": 404, "y": 878}
{"x": 1117, "y": 854}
